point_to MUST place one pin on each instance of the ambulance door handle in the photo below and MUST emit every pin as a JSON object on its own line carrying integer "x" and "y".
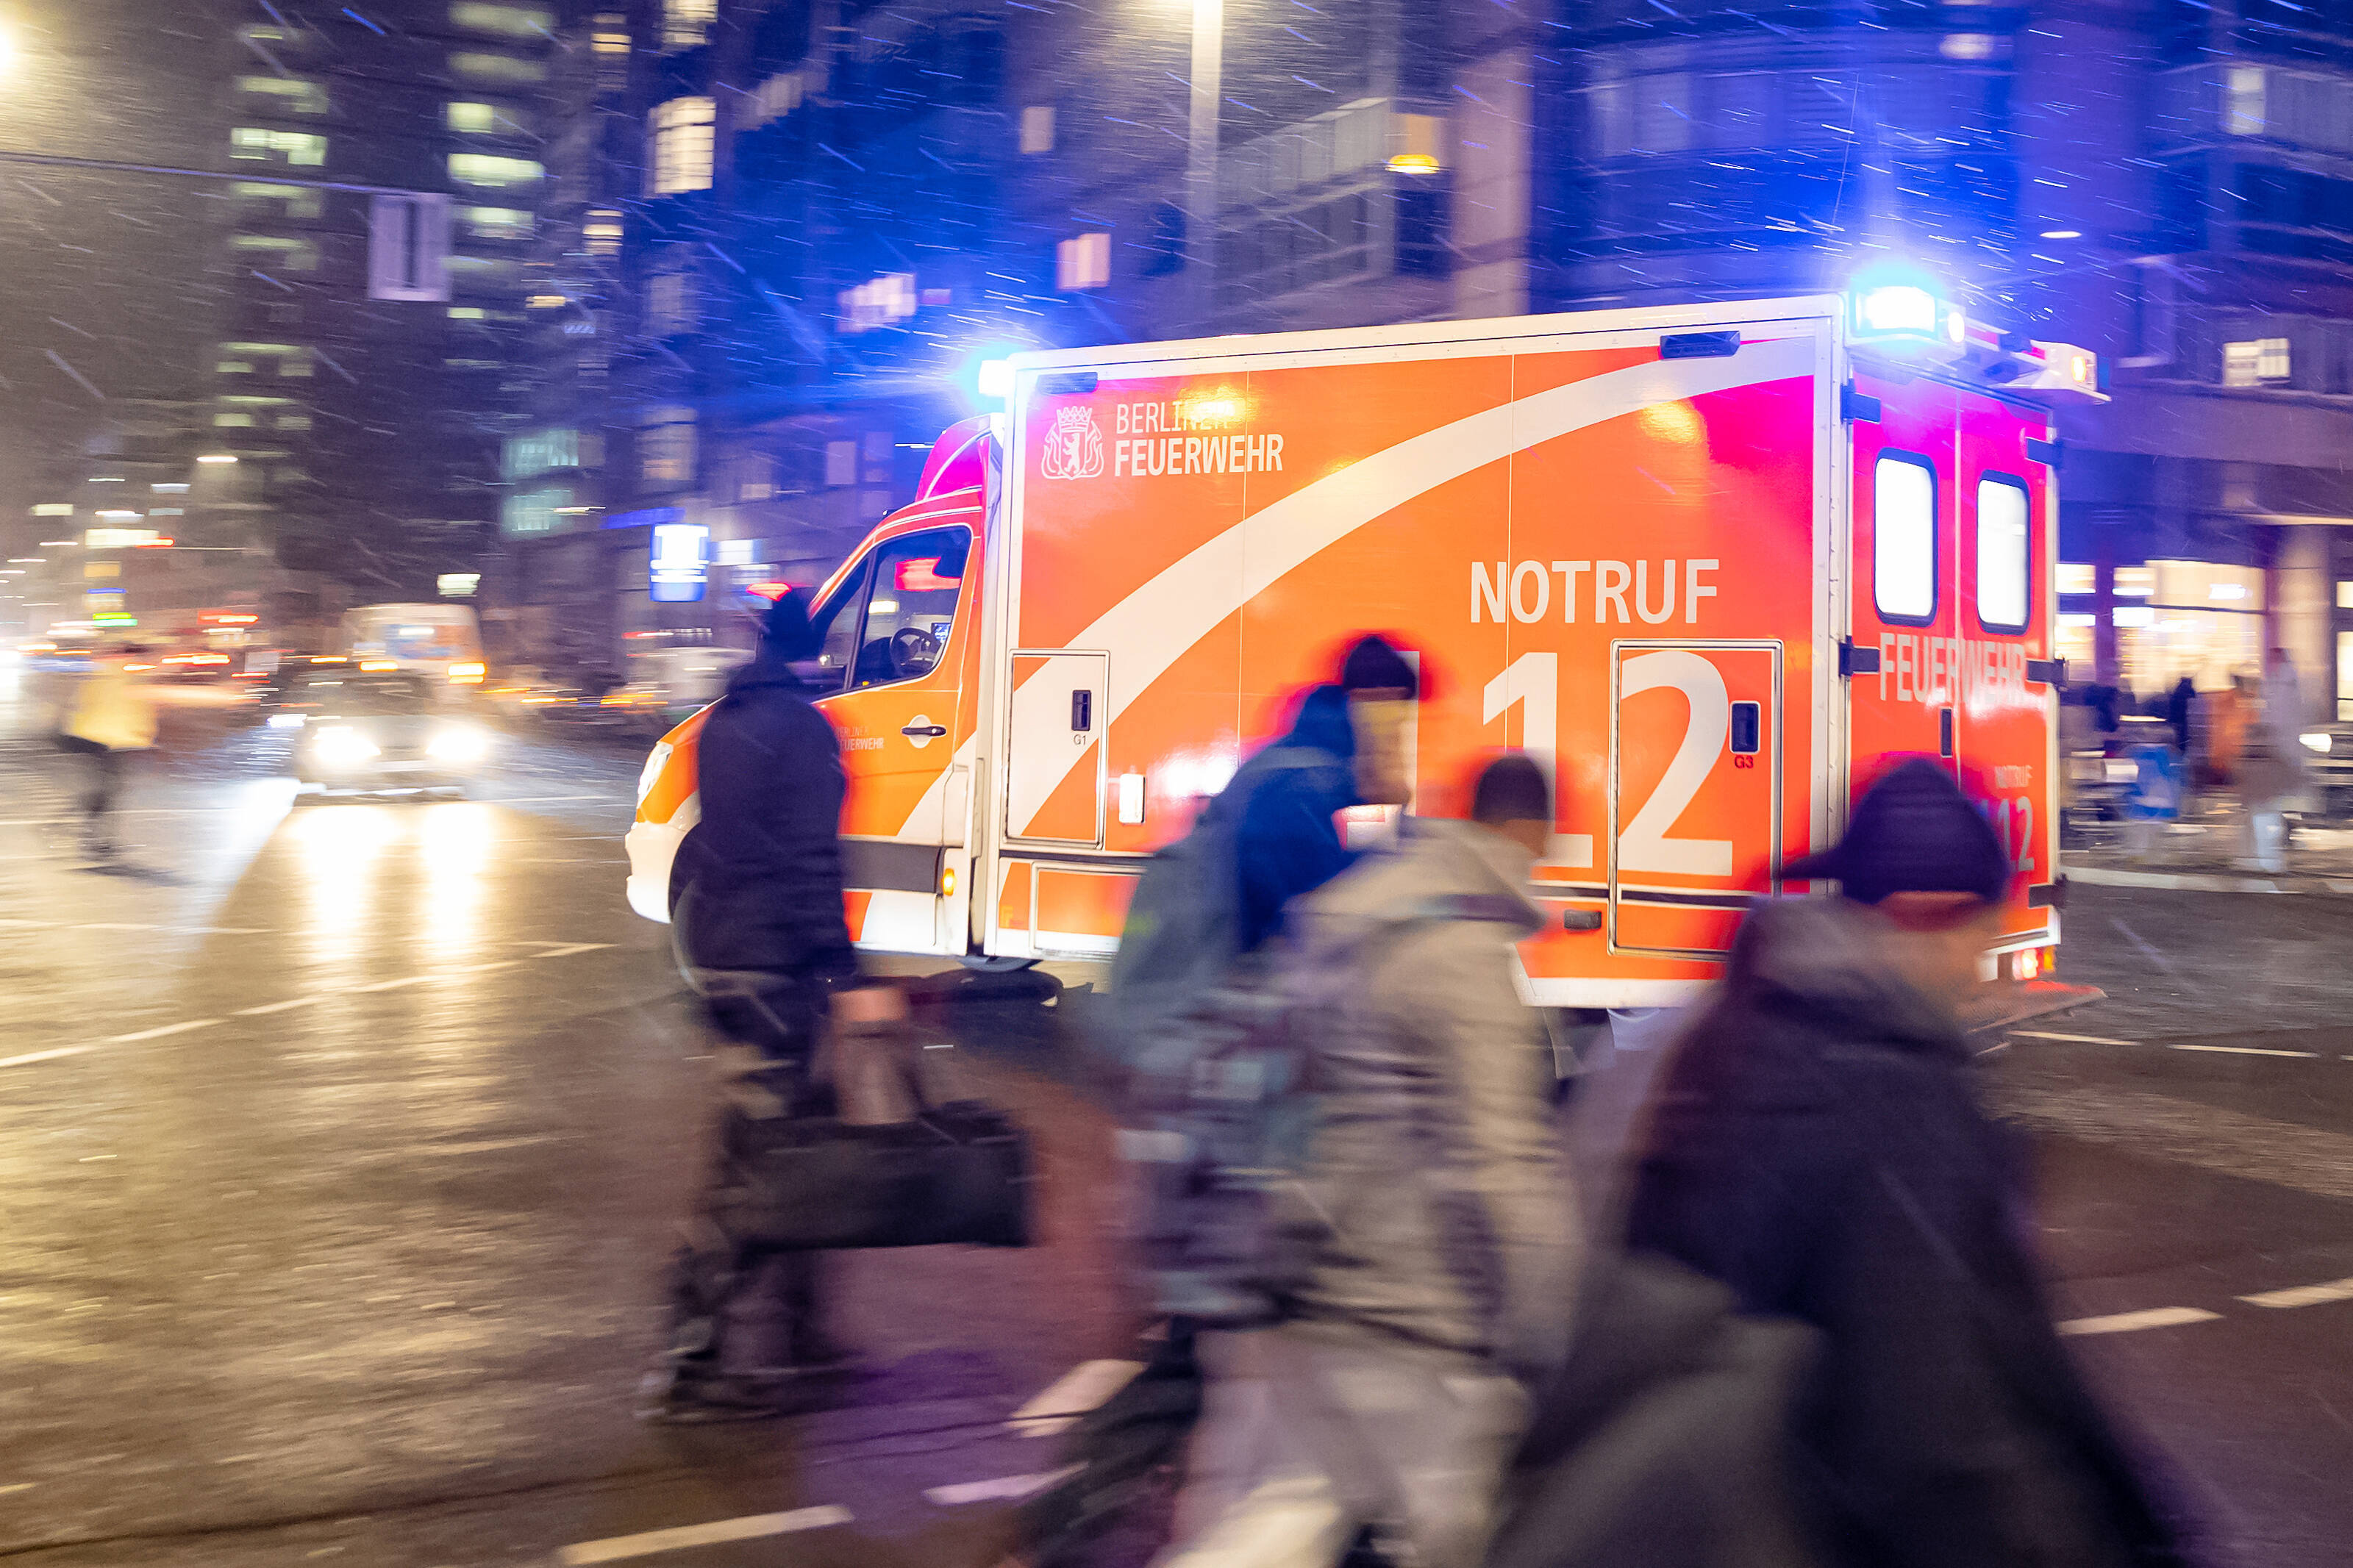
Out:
{"x": 1944, "y": 732}
{"x": 1082, "y": 711}
{"x": 934, "y": 731}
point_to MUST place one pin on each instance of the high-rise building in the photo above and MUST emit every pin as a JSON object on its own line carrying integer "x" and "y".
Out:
{"x": 369, "y": 430}
{"x": 2168, "y": 182}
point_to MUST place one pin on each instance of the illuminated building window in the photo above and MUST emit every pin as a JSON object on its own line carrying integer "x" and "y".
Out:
{"x": 482, "y": 169}
{"x": 477, "y": 119}
{"x": 2259, "y": 361}
{"x": 279, "y": 251}
{"x": 686, "y": 23}
{"x": 2243, "y": 109}
{"x": 233, "y": 421}
{"x": 513, "y": 21}
{"x": 1082, "y": 263}
{"x": 681, "y": 136}
{"x": 1038, "y": 128}
{"x": 295, "y": 95}
{"x": 299, "y": 148}
{"x": 299, "y": 202}
{"x": 611, "y": 36}
{"x": 497, "y": 223}
{"x": 496, "y": 68}
{"x": 671, "y": 303}
{"x": 776, "y": 97}
{"x": 293, "y": 421}
{"x": 601, "y": 232}
{"x": 666, "y": 445}
{"x": 877, "y": 302}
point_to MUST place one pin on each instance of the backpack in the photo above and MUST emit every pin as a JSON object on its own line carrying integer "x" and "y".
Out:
{"x": 1223, "y": 1107}
{"x": 1183, "y": 931}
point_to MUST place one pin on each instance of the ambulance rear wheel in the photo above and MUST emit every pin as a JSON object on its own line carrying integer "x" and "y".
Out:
{"x": 990, "y": 965}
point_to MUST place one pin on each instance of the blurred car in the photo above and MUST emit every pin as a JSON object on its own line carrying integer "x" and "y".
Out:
{"x": 373, "y": 729}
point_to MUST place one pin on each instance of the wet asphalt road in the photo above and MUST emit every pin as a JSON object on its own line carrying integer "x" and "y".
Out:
{"x": 342, "y": 1144}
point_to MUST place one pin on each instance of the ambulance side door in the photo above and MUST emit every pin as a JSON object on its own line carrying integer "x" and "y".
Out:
{"x": 1903, "y": 602}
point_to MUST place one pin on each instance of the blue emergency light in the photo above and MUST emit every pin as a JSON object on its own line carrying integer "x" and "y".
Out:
{"x": 1897, "y": 310}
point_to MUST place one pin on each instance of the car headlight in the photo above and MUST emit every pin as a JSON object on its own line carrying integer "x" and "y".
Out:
{"x": 2316, "y": 741}
{"x": 341, "y": 746}
{"x": 286, "y": 721}
{"x": 457, "y": 745}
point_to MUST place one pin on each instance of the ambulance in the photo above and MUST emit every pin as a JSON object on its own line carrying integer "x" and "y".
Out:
{"x": 1712, "y": 565}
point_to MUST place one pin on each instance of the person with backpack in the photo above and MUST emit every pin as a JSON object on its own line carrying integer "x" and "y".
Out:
{"x": 1819, "y": 1148}
{"x": 1421, "y": 1258}
{"x": 761, "y": 933}
{"x": 1197, "y": 939}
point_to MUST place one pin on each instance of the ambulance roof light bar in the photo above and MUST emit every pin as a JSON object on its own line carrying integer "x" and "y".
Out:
{"x": 1909, "y": 319}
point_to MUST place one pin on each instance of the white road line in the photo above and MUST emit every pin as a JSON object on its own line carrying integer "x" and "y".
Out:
{"x": 157, "y": 1034}
{"x": 276, "y": 1007}
{"x": 42, "y": 1055}
{"x": 2125, "y": 1322}
{"x": 570, "y": 948}
{"x": 394, "y": 985}
{"x": 620, "y": 1548}
{"x": 1060, "y": 1404}
{"x": 2071, "y": 1040}
{"x": 1004, "y": 1488}
{"x": 2243, "y": 1051}
{"x": 2298, "y": 1296}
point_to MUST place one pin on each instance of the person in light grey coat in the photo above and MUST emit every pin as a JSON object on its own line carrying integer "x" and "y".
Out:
{"x": 1440, "y": 1260}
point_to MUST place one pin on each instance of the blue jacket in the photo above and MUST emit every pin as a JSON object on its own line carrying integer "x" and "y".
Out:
{"x": 757, "y": 883}
{"x": 1288, "y": 842}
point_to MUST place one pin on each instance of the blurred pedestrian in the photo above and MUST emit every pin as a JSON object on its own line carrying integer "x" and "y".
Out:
{"x": 1819, "y": 1148}
{"x": 110, "y": 724}
{"x": 1202, "y": 924}
{"x": 761, "y": 933}
{"x": 2178, "y": 706}
{"x": 1436, "y": 1232}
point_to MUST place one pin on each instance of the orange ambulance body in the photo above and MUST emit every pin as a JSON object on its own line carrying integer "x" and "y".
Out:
{"x": 1712, "y": 563}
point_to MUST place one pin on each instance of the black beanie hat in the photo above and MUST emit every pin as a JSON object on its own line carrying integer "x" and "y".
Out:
{"x": 785, "y": 632}
{"x": 1373, "y": 666}
{"x": 1912, "y": 832}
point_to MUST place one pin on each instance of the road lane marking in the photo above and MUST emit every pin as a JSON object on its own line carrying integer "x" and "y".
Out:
{"x": 2302, "y": 1295}
{"x": 620, "y": 1548}
{"x": 2125, "y": 1322}
{"x": 276, "y": 1007}
{"x": 1004, "y": 1488}
{"x": 570, "y": 948}
{"x": 2242, "y": 1051}
{"x": 157, "y": 1034}
{"x": 2071, "y": 1040}
{"x": 42, "y": 1055}
{"x": 1060, "y": 1404}
{"x": 394, "y": 985}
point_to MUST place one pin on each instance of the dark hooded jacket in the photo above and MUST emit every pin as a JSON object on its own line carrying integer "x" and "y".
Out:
{"x": 757, "y": 883}
{"x": 1288, "y": 842}
{"x": 1819, "y": 1149}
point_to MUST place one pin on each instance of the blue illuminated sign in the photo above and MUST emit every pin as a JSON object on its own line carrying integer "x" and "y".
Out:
{"x": 679, "y": 563}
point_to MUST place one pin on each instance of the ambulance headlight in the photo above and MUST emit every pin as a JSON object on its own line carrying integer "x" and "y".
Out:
{"x": 2316, "y": 741}
{"x": 1896, "y": 307}
{"x": 341, "y": 746}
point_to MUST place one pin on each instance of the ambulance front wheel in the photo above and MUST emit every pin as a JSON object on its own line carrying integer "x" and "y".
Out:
{"x": 988, "y": 964}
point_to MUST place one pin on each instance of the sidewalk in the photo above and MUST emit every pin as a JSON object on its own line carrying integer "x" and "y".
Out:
{"x": 2206, "y": 854}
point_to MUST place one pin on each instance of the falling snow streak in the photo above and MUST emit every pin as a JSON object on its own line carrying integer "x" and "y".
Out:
{"x": 84, "y": 382}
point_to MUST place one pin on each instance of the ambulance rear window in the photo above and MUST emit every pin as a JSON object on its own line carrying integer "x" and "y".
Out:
{"x": 1903, "y": 538}
{"x": 2005, "y": 568}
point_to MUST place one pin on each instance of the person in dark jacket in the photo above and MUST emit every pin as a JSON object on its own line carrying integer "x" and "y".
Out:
{"x": 1819, "y": 1148}
{"x": 1289, "y": 840}
{"x": 2179, "y": 704}
{"x": 758, "y": 921}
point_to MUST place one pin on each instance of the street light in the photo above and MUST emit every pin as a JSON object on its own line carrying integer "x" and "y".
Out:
{"x": 1201, "y": 148}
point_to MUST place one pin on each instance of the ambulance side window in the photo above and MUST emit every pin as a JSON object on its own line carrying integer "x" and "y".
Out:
{"x": 2005, "y": 561}
{"x": 1903, "y": 538}
{"x": 836, "y": 624}
{"x": 911, "y": 611}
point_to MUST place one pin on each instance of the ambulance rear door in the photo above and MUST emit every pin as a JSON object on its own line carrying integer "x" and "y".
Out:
{"x": 1904, "y": 593}
{"x": 2008, "y": 678}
